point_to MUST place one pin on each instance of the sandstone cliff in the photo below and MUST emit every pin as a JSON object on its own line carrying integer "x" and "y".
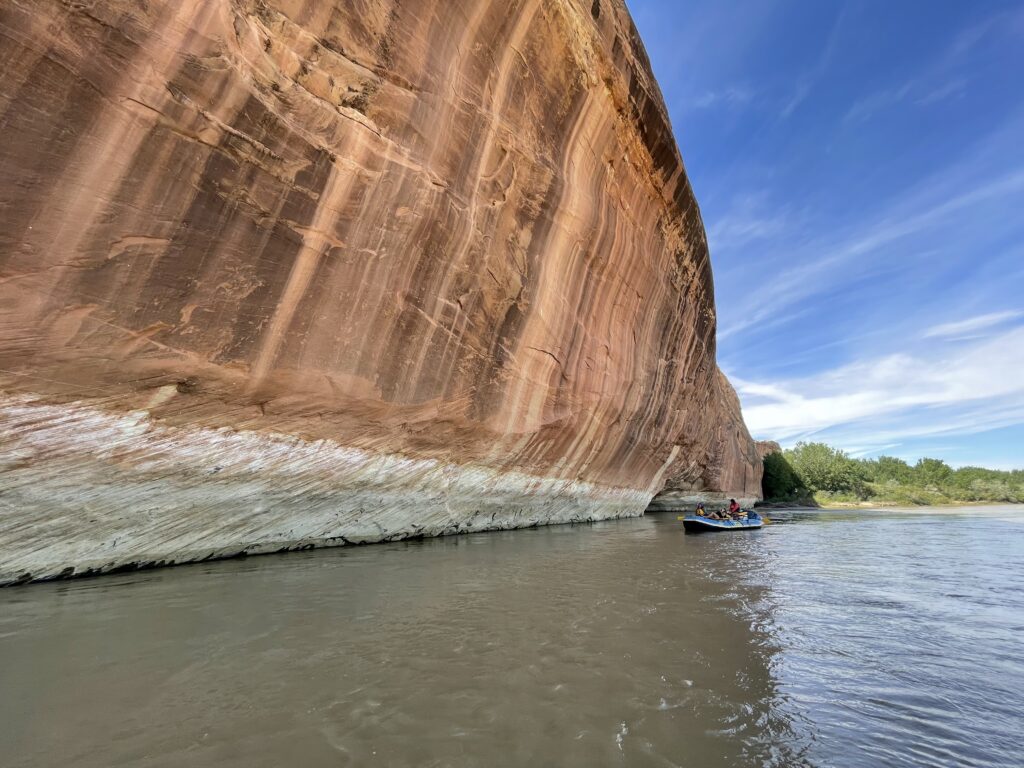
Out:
{"x": 283, "y": 273}
{"x": 728, "y": 465}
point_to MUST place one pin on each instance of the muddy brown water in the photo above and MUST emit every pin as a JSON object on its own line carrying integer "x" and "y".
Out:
{"x": 826, "y": 639}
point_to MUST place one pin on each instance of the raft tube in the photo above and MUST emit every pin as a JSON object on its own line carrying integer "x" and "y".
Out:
{"x": 697, "y": 524}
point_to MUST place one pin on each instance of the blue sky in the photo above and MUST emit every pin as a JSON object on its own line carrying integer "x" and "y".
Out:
{"x": 860, "y": 171}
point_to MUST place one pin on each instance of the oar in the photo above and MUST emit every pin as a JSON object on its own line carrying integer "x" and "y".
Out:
{"x": 764, "y": 518}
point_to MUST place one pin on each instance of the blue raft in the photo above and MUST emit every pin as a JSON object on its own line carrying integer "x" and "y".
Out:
{"x": 697, "y": 524}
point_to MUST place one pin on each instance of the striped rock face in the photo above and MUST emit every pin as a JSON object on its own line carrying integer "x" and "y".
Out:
{"x": 282, "y": 273}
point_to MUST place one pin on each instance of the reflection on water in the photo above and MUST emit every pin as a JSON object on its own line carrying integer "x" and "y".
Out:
{"x": 858, "y": 639}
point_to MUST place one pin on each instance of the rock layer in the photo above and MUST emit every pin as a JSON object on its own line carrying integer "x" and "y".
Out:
{"x": 281, "y": 273}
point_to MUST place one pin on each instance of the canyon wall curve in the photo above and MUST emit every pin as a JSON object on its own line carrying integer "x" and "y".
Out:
{"x": 277, "y": 274}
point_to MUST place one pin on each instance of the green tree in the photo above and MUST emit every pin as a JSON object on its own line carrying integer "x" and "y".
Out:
{"x": 891, "y": 468}
{"x": 932, "y": 473}
{"x": 823, "y": 468}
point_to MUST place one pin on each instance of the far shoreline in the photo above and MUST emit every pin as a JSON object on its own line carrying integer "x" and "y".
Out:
{"x": 896, "y": 506}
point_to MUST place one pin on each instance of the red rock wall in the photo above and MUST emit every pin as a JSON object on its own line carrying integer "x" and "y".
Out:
{"x": 447, "y": 238}
{"x": 728, "y": 466}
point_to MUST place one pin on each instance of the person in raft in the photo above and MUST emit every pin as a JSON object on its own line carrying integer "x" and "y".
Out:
{"x": 734, "y": 508}
{"x": 700, "y": 510}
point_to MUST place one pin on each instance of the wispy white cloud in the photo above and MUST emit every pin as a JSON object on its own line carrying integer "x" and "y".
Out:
{"x": 806, "y": 83}
{"x": 1009, "y": 20}
{"x": 732, "y": 96}
{"x": 956, "y": 330}
{"x": 859, "y": 451}
{"x": 866, "y": 107}
{"x": 889, "y": 399}
{"x": 698, "y": 49}
{"x": 927, "y": 423}
{"x": 940, "y": 79}
{"x": 803, "y": 90}
{"x": 950, "y": 89}
{"x": 856, "y": 242}
{"x": 922, "y": 91}
{"x": 832, "y": 262}
{"x": 750, "y": 218}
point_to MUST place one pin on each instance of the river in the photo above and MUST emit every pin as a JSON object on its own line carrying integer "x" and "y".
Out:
{"x": 827, "y": 639}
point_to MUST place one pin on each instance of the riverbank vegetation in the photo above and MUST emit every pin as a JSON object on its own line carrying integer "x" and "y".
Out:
{"x": 815, "y": 473}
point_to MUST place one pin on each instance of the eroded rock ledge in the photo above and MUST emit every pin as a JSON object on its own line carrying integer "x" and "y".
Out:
{"x": 281, "y": 273}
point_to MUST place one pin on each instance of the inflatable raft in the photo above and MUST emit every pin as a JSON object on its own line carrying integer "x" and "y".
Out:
{"x": 698, "y": 524}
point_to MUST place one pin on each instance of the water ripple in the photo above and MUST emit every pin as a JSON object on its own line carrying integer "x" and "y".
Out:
{"x": 835, "y": 640}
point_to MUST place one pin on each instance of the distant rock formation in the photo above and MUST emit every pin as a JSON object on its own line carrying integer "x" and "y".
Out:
{"x": 283, "y": 273}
